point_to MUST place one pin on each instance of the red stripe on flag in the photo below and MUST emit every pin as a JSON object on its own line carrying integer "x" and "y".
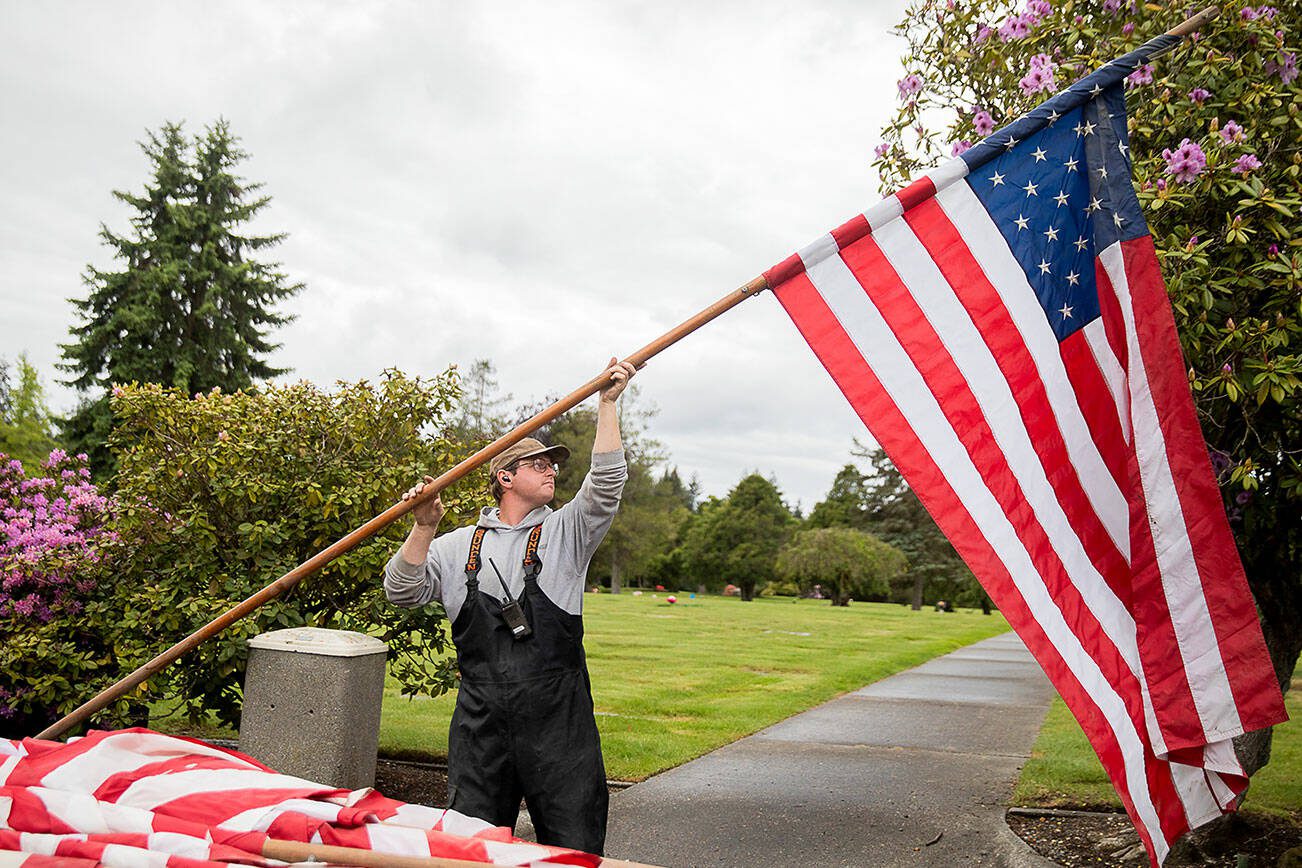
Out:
{"x": 785, "y": 270}
{"x": 916, "y": 193}
{"x": 843, "y": 361}
{"x": 1097, "y": 406}
{"x": 851, "y": 231}
{"x": 1224, "y": 584}
{"x": 1114, "y": 324}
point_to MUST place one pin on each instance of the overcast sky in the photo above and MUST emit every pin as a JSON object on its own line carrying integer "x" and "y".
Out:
{"x": 541, "y": 184}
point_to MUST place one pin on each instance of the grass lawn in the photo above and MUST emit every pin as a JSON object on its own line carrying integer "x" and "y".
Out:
{"x": 1064, "y": 772}
{"x": 672, "y": 682}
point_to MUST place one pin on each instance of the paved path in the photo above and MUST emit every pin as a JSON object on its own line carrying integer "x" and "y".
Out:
{"x": 864, "y": 780}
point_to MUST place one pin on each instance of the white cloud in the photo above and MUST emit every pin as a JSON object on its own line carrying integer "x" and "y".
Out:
{"x": 540, "y": 184}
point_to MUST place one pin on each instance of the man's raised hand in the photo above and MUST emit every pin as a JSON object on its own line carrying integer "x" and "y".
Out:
{"x": 619, "y": 374}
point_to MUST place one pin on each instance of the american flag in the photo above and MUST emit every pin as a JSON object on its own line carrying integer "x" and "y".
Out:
{"x": 134, "y": 797}
{"x": 1002, "y": 328}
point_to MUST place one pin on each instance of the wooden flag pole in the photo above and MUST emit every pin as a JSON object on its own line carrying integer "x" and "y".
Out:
{"x": 392, "y": 514}
{"x": 1189, "y": 25}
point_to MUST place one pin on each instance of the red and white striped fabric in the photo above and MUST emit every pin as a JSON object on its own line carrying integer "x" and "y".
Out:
{"x": 135, "y": 797}
{"x": 1002, "y": 329}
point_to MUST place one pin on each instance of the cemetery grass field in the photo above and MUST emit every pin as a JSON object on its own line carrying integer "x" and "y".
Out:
{"x": 672, "y": 682}
{"x": 1063, "y": 771}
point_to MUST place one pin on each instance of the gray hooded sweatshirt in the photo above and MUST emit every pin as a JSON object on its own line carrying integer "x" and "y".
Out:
{"x": 570, "y": 536}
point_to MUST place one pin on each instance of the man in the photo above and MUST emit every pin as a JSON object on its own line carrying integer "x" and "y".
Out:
{"x": 513, "y": 587}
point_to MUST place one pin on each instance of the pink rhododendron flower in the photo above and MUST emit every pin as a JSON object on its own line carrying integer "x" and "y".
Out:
{"x": 1247, "y": 13}
{"x": 1288, "y": 69}
{"x": 1245, "y": 164}
{"x": 1111, "y": 6}
{"x": 909, "y": 85}
{"x": 1199, "y": 95}
{"x": 1038, "y": 8}
{"x": 983, "y": 33}
{"x": 881, "y": 149}
{"x": 1186, "y": 162}
{"x": 1141, "y": 76}
{"x": 983, "y": 123}
{"x": 1231, "y": 132}
{"x": 1040, "y": 76}
{"x": 1017, "y": 27}
{"x": 1267, "y": 12}
{"x": 1128, "y": 28}
{"x": 960, "y": 147}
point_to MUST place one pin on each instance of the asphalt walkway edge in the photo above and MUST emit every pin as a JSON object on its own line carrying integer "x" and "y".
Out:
{"x": 915, "y": 769}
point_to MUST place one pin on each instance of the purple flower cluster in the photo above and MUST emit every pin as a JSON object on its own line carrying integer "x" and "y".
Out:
{"x": 909, "y": 85}
{"x": 1141, "y": 76}
{"x": 1246, "y": 164}
{"x": 960, "y": 147}
{"x": 1288, "y": 69}
{"x": 1040, "y": 75}
{"x": 1231, "y": 132}
{"x": 983, "y": 123}
{"x": 1186, "y": 162}
{"x": 1267, "y": 13}
{"x": 1199, "y": 95}
{"x": 1020, "y": 26}
{"x": 51, "y": 527}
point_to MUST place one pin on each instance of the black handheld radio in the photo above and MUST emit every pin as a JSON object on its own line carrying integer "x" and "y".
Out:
{"x": 512, "y": 613}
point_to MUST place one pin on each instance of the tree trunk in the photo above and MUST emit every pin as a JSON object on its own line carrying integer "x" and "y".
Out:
{"x": 747, "y": 590}
{"x": 918, "y": 583}
{"x": 615, "y": 584}
{"x": 985, "y": 603}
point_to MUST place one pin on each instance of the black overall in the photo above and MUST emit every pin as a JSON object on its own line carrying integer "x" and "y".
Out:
{"x": 523, "y": 724}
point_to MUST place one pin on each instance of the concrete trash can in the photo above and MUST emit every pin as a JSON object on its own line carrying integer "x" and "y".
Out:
{"x": 312, "y": 704}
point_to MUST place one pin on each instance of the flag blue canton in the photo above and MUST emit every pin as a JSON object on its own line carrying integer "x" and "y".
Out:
{"x": 1057, "y": 184}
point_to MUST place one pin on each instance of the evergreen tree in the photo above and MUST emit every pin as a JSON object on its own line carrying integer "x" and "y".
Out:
{"x": 189, "y": 307}
{"x": 482, "y": 414}
{"x": 26, "y": 432}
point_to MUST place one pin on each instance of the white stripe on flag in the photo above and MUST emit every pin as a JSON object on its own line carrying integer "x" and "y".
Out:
{"x": 880, "y": 213}
{"x": 155, "y": 790}
{"x": 1113, "y": 374}
{"x": 122, "y": 856}
{"x": 991, "y": 252}
{"x": 864, "y": 325}
{"x": 1199, "y": 651}
{"x": 397, "y": 840}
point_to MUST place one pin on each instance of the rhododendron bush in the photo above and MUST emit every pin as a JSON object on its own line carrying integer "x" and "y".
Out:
{"x": 1216, "y": 144}
{"x": 53, "y": 526}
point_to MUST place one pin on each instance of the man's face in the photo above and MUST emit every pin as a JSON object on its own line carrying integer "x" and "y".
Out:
{"x": 534, "y": 480}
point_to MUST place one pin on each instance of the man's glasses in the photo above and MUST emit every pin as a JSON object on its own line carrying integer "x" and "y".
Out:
{"x": 542, "y": 465}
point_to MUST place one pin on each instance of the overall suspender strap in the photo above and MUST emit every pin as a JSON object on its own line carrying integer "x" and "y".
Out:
{"x": 532, "y": 563}
{"x": 472, "y": 560}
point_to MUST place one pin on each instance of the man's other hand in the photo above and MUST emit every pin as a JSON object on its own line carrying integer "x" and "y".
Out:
{"x": 429, "y": 513}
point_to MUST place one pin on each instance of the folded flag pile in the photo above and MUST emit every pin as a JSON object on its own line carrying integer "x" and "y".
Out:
{"x": 136, "y": 797}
